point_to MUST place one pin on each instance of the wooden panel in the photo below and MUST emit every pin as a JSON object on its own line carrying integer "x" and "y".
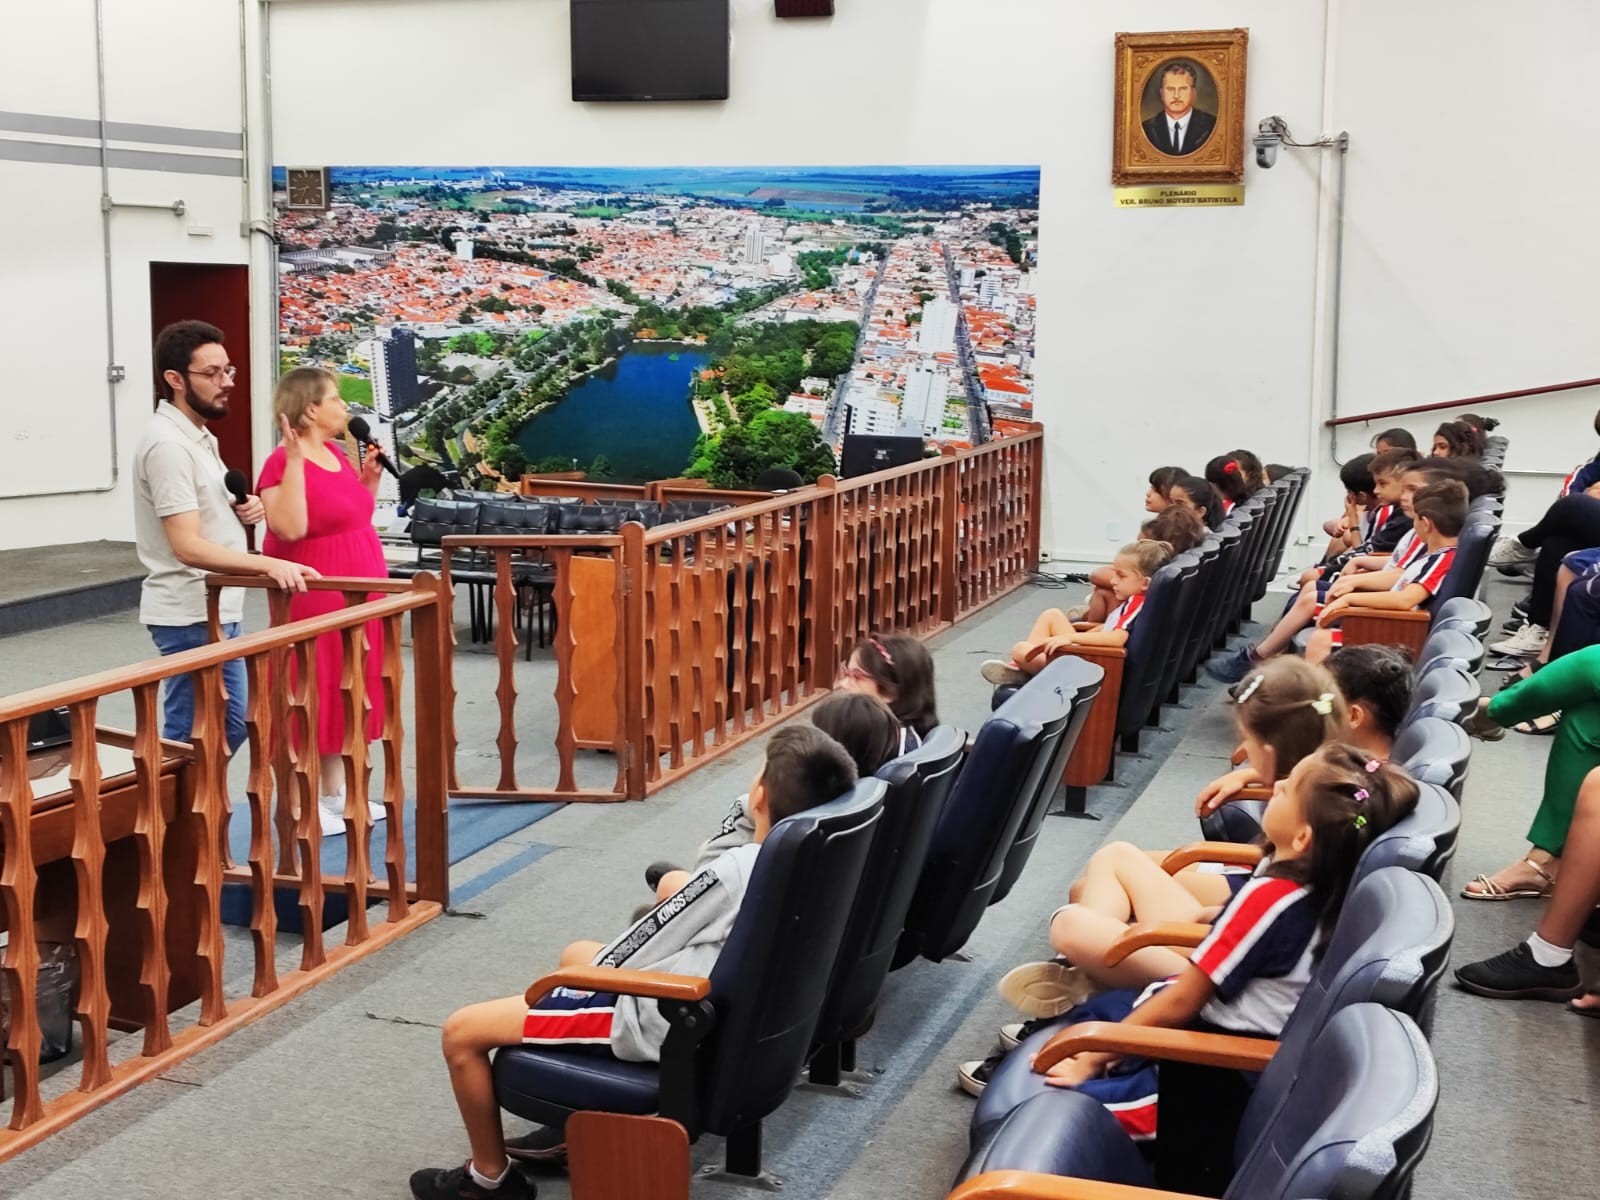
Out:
{"x": 615, "y": 1157}
{"x": 1091, "y": 757}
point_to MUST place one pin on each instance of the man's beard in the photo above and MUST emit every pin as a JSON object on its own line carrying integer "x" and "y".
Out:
{"x": 212, "y": 409}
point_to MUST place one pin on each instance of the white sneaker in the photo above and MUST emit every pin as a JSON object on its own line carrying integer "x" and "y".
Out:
{"x": 330, "y": 810}
{"x": 1510, "y": 552}
{"x": 1527, "y": 642}
{"x": 375, "y": 811}
{"x": 1003, "y": 674}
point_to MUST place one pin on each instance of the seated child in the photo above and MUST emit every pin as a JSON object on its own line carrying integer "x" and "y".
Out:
{"x": 1394, "y": 439}
{"x": 1174, "y": 525}
{"x": 1455, "y": 440}
{"x": 1255, "y": 474}
{"x": 1200, "y": 498}
{"x": 897, "y": 669}
{"x": 1389, "y": 522}
{"x": 1293, "y": 710}
{"x": 804, "y": 767}
{"x": 862, "y": 724}
{"x": 1227, "y": 475}
{"x": 1411, "y": 577}
{"x": 1158, "y": 498}
{"x": 1054, "y": 634}
{"x": 1360, "y": 503}
{"x": 1249, "y": 973}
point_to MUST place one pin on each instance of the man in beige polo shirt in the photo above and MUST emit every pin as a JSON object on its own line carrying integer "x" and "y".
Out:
{"x": 187, "y": 524}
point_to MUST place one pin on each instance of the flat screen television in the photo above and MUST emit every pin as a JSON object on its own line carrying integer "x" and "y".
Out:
{"x": 650, "y": 49}
{"x": 862, "y": 454}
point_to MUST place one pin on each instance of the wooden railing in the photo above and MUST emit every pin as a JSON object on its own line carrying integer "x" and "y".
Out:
{"x": 675, "y": 644}
{"x": 129, "y": 859}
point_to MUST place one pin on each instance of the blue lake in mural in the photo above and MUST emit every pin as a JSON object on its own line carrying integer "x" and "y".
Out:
{"x": 636, "y": 412}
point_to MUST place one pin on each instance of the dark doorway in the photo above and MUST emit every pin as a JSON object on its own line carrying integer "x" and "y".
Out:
{"x": 219, "y": 293}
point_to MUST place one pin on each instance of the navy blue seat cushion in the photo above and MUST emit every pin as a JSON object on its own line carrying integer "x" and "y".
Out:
{"x": 1060, "y": 1132}
{"x": 1235, "y": 821}
{"x": 547, "y": 1084}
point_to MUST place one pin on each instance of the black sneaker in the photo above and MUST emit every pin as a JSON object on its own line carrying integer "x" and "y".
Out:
{"x": 972, "y": 1077}
{"x": 1020, "y": 1031}
{"x": 545, "y": 1145}
{"x": 654, "y": 872}
{"x": 1515, "y": 976}
{"x": 437, "y": 1183}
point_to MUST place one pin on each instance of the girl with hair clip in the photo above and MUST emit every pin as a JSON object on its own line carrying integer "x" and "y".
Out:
{"x": 1227, "y": 475}
{"x": 1157, "y": 499}
{"x": 1200, "y": 498}
{"x": 897, "y": 669}
{"x": 1122, "y": 883}
{"x": 1254, "y": 473}
{"x": 1055, "y": 633}
{"x": 1248, "y": 974}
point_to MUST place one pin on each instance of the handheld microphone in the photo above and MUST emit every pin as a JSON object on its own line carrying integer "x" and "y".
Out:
{"x": 358, "y": 427}
{"x": 237, "y": 484}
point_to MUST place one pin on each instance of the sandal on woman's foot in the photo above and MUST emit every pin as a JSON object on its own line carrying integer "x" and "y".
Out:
{"x": 1540, "y": 725}
{"x": 1488, "y": 889}
{"x": 1479, "y": 725}
{"x": 1045, "y": 989}
{"x": 1585, "y": 1010}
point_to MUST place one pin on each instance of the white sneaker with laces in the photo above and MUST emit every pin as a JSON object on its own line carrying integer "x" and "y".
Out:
{"x": 330, "y": 811}
{"x": 1510, "y": 552}
{"x": 1525, "y": 643}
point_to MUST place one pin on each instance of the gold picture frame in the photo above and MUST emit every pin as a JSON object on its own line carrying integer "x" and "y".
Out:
{"x": 1210, "y": 131}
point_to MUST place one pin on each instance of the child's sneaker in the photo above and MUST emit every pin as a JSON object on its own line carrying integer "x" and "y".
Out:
{"x": 330, "y": 812}
{"x": 437, "y": 1183}
{"x": 972, "y": 1077}
{"x": 1514, "y": 975}
{"x": 1479, "y": 725}
{"x": 1020, "y": 1031}
{"x": 1003, "y": 674}
{"x": 545, "y": 1145}
{"x": 654, "y": 872}
{"x": 1045, "y": 989}
{"x": 1230, "y": 668}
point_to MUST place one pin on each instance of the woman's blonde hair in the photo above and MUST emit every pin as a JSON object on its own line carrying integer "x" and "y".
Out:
{"x": 299, "y": 391}
{"x": 1290, "y": 706}
{"x": 1149, "y": 556}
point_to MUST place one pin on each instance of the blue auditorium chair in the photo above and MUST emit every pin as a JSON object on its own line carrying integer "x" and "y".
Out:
{"x": 1449, "y": 642}
{"x": 987, "y": 806}
{"x": 739, "y": 1038}
{"x": 1390, "y": 947}
{"x": 1464, "y": 612}
{"x": 1447, "y": 689}
{"x": 919, "y": 785}
{"x": 1354, "y": 1124}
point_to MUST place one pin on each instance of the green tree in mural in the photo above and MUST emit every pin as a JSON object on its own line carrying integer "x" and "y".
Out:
{"x": 774, "y": 438}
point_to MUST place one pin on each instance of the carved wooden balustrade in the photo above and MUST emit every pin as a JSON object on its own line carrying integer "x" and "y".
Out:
{"x": 677, "y": 643}
{"x": 128, "y": 857}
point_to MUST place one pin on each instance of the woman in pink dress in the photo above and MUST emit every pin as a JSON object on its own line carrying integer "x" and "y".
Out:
{"x": 319, "y": 514}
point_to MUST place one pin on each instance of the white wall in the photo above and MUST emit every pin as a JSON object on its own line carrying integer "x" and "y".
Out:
{"x": 169, "y": 63}
{"x": 1166, "y": 335}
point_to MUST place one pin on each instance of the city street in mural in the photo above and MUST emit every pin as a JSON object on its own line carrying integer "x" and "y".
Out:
{"x": 648, "y": 323}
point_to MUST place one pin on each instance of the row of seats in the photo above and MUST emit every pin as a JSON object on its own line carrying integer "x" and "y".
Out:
{"x": 903, "y": 867}
{"x": 1193, "y": 604}
{"x": 1345, "y": 1097}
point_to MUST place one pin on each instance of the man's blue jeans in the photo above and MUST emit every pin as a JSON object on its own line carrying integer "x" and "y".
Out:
{"x": 178, "y": 699}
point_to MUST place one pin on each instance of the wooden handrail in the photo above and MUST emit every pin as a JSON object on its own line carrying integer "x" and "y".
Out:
{"x": 1465, "y": 402}
{"x": 154, "y": 670}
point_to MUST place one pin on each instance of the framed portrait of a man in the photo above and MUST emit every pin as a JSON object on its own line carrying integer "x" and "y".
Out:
{"x": 1179, "y": 107}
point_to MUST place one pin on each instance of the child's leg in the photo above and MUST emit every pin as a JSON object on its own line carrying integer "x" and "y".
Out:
{"x": 1052, "y": 622}
{"x": 581, "y": 954}
{"x": 1101, "y": 601}
{"x": 1301, "y": 613}
{"x": 470, "y": 1035}
{"x": 1126, "y": 884}
{"x": 670, "y": 883}
{"x": 1209, "y": 888}
{"x": 1084, "y": 936}
{"x": 1319, "y": 647}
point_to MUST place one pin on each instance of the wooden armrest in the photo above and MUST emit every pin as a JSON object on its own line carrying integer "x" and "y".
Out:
{"x": 1153, "y": 1041}
{"x": 1028, "y": 1185}
{"x": 1238, "y": 756}
{"x": 1388, "y": 614}
{"x": 658, "y": 985}
{"x": 1229, "y": 854}
{"x": 1251, "y": 791}
{"x": 1156, "y": 933}
{"x": 1095, "y": 652}
{"x": 1084, "y": 626}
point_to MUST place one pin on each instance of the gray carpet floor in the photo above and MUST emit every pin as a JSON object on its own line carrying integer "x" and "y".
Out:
{"x": 342, "y": 1092}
